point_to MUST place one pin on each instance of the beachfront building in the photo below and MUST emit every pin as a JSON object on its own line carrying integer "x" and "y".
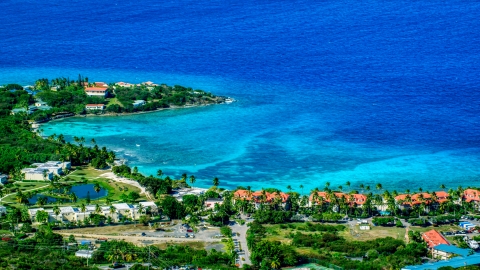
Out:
{"x": 210, "y": 203}
{"x": 100, "y": 107}
{"x": 3, "y": 179}
{"x": 96, "y": 91}
{"x": 471, "y": 195}
{"x": 127, "y": 210}
{"x": 138, "y": 103}
{"x": 261, "y": 197}
{"x": 406, "y": 201}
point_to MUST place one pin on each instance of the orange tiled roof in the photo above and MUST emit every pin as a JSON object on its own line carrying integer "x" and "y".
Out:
{"x": 434, "y": 238}
{"x": 441, "y": 197}
{"x": 471, "y": 195}
{"x": 359, "y": 199}
{"x": 257, "y": 195}
{"x": 96, "y": 89}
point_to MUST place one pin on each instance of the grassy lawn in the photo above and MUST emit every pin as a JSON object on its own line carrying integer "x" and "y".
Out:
{"x": 114, "y": 101}
{"x": 275, "y": 233}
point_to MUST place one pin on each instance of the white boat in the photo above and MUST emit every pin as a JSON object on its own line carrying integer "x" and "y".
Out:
{"x": 471, "y": 243}
{"x": 137, "y": 145}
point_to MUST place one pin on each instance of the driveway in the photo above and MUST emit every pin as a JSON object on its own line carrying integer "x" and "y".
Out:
{"x": 242, "y": 230}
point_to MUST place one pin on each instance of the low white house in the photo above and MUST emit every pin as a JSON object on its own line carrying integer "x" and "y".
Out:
{"x": 99, "y": 107}
{"x": 84, "y": 253}
{"x": 138, "y": 103}
{"x": 152, "y": 205}
{"x": 210, "y": 203}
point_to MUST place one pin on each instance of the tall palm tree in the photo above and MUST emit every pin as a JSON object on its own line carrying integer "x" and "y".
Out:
{"x": 289, "y": 188}
{"x": 97, "y": 188}
{"x": 83, "y": 208}
{"x": 73, "y": 197}
{"x": 98, "y": 209}
{"x": 348, "y": 185}
{"x": 301, "y": 187}
{"x": 160, "y": 173}
{"x": 216, "y": 182}
{"x": 379, "y": 186}
{"x": 56, "y": 210}
{"x": 442, "y": 186}
{"x": 112, "y": 210}
{"x": 140, "y": 209}
{"x": 192, "y": 180}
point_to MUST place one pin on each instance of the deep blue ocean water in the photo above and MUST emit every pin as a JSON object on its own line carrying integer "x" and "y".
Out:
{"x": 367, "y": 92}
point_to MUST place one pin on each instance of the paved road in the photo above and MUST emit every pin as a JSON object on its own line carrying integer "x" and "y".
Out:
{"x": 242, "y": 239}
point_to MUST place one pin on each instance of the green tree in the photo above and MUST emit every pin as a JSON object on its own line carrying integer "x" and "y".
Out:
{"x": 216, "y": 181}
{"x": 97, "y": 188}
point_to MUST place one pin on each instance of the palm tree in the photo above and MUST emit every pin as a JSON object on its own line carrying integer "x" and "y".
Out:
{"x": 159, "y": 173}
{"x": 73, "y": 197}
{"x": 97, "y": 188}
{"x": 442, "y": 186}
{"x": 56, "y": 210}
{"x": 216, "y": 182}
{"x": 112, "y": 210}
{"x": 348, "y": 184}
{"x": 93, "y": 141}
{"x": 379, "y": 186}
{"x": 192, "y": 180}
{"x": 98, "y": 209}
{"x": 140, "y": 209}
{"x": 301, "y": 186}
{"x": 83, "y": 208}
{"x": 327, "y": 184}
{"x": 289, "y": 188}
{"x": 275, "y": 263}
{"x": 340, "y": 188}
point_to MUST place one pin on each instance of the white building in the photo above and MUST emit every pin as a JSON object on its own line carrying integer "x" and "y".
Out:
{"x": 99, "y": 107}
{"x": 138, "y": 103}
{"x": 96, "y": 91}
{"x": 84, "y": 253}
{"x": 50, "y": 167}
{"x": 38, "y": 174}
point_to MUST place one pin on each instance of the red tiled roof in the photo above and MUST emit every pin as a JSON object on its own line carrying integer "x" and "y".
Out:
{"x": 96, "y": 89}
{"x": 471, "y": 195}
{"x": 359, "y": 199}
{"x": 434, "y": 238}
{"x": 441, "y": 197}
{"x": 257, "y": 195}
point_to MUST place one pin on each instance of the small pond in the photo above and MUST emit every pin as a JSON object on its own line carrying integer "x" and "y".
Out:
{"x": 80, "y": 190}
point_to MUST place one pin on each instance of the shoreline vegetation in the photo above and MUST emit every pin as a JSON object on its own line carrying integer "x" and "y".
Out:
{"x": 284, "y": 229}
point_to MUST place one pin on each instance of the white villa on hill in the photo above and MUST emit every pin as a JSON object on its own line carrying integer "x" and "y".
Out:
{"x": 96, "y": 91}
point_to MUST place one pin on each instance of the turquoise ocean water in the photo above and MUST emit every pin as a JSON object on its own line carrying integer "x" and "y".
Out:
{"x": 327, "y": 92}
